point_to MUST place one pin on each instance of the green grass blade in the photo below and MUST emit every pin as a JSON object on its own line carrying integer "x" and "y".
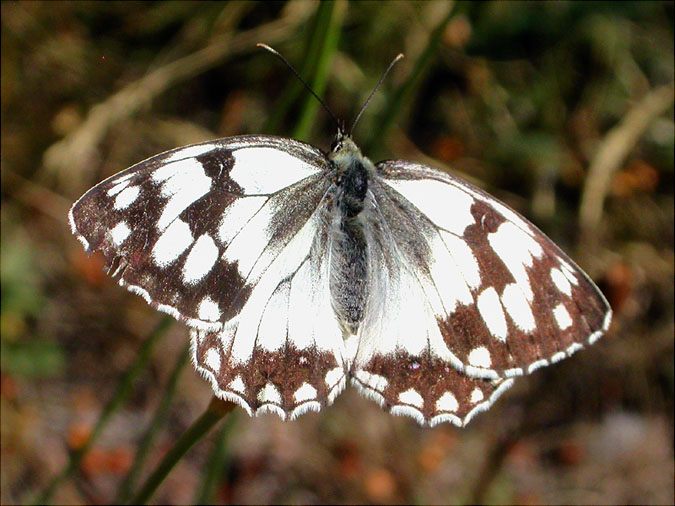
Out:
{"x": 216, "y": 410}
{"x": 404, "y": 93}
{"x": 120, "y": 395}
{"x": 329, "y": 23}
{"x": 323, "y": 26}
{"x": 129, "y": 482}
{"x": 295, "y": 88}
{"x": 217, "y": 463}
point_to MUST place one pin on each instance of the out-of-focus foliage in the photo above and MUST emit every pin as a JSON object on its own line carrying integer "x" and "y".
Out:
{"x": 520, "y": 97}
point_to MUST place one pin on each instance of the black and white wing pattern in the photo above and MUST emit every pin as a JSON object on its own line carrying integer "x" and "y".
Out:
{"x": 466, "y": 294}
{"x": 228, "y": 237}
{"x": 297, "y": 270}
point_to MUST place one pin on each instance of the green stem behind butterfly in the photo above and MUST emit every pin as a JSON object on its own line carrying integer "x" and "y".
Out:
{"x": 126, "y": 487}
{"x": 216, "y": 410}
{"x": 121, "y": 394}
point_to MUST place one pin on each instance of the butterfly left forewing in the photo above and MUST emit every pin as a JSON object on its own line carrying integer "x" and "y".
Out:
{"x": 506, "y": 300}
{"x": 192, "y": 229}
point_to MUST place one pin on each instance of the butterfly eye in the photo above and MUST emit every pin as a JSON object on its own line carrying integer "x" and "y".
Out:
{"x": 336, "y": 146}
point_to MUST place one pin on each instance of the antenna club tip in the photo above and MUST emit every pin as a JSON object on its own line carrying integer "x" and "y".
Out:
{"x": 266, "y": 47}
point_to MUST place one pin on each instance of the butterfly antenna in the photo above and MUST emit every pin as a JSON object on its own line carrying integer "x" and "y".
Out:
{"x": 295, "y": 72}
{"x": 377, "y": 87}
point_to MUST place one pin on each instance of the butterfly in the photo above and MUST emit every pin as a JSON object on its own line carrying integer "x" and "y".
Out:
{"x": 299, "y": 271}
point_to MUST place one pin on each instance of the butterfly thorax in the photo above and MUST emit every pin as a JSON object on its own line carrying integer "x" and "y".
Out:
{"x": 349, "y": 253}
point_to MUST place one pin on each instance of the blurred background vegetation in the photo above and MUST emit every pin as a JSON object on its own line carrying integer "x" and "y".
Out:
{"x": 561, "y": 109}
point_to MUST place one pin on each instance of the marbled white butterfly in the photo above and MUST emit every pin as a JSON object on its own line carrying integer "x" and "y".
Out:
{"x": 299, "y": 270}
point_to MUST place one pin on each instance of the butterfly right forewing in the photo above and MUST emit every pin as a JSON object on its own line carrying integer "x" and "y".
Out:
{"x": 505, "y": 298}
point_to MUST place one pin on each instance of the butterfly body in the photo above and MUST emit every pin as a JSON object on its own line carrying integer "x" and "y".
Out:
{"x": 349, "y": 245}
{"x": 298, "y": 271}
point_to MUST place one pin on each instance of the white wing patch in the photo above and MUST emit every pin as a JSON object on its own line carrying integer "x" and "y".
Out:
{"x": 491, "y": 310}
{"x": 412, "y": 397}
{"x": 183, "y": 185}
{"x": 560, "y": 280}
{"x": 273, "y": 327}
{"x": 237, "y": 215}
{"x": 172, "y": 243}
{"x": 447, "y": 402}
{"x": 305, "y": 393}
{"x": 118, "y": 188}
{"x": 120, "y": 232}
{"x": 518, "y": 307}
{"x": 176, "y": 168}
{"x": 213, "y": 359}
{"x": 562, "y": 317}
{"x": 246, "y": 248}
{"x": 516, "y": 249}
{"x": 209, "y": 310}
{"x": 447, "y": 276}
{"x": 464, "y": 258}
{"x": 192, "y": 151}
{"x": 445, "y": 206}
{"x": 480, "y": 357}
{"x": 201, "y": 259}
{"x": 263, "y": 171}
{"x": 126, "y": 197}
{"x": 396, "y": 295}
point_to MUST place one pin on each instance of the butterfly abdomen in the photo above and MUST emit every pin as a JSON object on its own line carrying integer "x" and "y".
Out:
{"x": 349, "y": 251}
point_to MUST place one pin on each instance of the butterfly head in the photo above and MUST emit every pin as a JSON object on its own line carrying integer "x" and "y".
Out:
{"x": 341, "y": 141}
{"x": 344, "y": 152}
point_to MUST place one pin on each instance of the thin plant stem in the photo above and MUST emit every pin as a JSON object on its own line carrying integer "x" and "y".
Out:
{"x": 403, "y": 93}
{"x": 217, "y": 463}
{"x": 145, "y": 443}
{"x": 121, "y": 393}
{"x": 329, "y": 22}
{"x": 313, "y": 51}
{"x": 70, "y": 154}
{"x": 609, "y": 157}
{"x": 216, "y": 410}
